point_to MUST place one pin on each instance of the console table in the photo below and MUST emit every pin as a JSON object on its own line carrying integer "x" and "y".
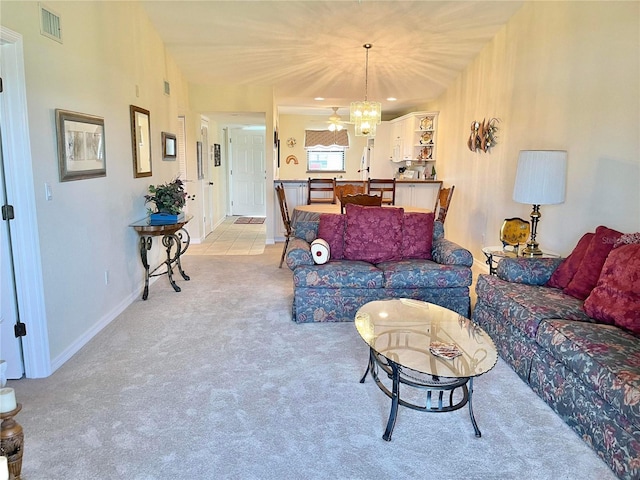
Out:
{"x": 174, "y": 238}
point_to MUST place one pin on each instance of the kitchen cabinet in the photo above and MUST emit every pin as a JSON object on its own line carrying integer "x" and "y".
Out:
{"x": 414, "y": 140}
{"x": 417, "y": 194}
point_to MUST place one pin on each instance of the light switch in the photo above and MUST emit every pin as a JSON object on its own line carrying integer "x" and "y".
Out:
{"x": 47, "y": 192}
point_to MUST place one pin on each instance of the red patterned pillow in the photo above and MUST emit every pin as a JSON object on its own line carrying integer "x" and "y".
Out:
{"x": 616, "y": 297}
{"x": 588, "y": 272}
{"x": 417, "y": 235}
{"x": 331, "y": 229}
{"x": 569, "y": 266}
{"x": 373, "y": 234}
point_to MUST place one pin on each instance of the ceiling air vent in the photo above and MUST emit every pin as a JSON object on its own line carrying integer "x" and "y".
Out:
{"x": 50, "y": 24}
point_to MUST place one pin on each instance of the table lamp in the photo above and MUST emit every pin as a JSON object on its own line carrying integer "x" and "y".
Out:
{"x": 540, "y": 180}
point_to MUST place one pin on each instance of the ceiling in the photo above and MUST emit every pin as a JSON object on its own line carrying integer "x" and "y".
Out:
{"x": 308, "y": 49}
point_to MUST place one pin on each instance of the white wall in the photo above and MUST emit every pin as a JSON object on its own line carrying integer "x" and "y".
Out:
{"x": 559, "y": 75}
{"x": 84, "y": 229}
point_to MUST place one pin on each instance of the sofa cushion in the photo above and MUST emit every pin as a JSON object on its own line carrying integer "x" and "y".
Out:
{"x": 567, "y": 269}
{"x": 306, "y": 230}
{"x": 331, "y": 229}
{"x": 373, "y": 234}
{"x": 616, "y": 297}
{"x": 417, "y": 235}
{"x": 604, "y": 357}
{"x": 419, "y": 273}
{"x": 527, "y": 305}
{"x": 531, "y": 271}
{"x": 588, "y": 272}
{"x": 338, "y": 274}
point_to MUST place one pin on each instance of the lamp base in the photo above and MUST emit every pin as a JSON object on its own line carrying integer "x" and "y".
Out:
{"x": 531, "y": 250}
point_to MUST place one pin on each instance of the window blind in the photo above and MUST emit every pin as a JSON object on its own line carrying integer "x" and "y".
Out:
{"x": 326, "y": 138}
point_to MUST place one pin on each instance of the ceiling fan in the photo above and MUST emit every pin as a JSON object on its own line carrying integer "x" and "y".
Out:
{"x": 335, "y": 121}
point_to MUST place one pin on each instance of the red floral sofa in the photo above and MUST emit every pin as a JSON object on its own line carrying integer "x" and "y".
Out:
{"x": 571, "y": 329}
{"x": 376, "y": 253}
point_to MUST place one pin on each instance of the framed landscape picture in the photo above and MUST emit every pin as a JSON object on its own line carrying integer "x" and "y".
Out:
{"x": 81, "y": 150}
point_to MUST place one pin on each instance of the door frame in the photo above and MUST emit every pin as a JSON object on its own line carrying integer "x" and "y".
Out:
{"x": 20, "y": 190}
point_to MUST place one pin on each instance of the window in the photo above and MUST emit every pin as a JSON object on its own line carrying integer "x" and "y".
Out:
{"x": 325, "y": 159}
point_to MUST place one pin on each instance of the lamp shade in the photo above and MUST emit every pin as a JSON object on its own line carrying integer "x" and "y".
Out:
{"x": 541, "y": 177}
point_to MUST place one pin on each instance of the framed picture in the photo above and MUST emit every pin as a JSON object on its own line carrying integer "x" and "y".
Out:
{"x": 81, "y": 151}
{"x": 169, "y": 146}
{"x": 199, "y": 160}
{"x": 140, "y": 141}
{"x": 217, "y": 161}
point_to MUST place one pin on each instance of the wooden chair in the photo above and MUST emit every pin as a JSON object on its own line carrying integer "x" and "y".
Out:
{"x": 282, "y": 200}
{"x": 514, "y": 231}
{"x": 386, "y": 187}
{"x": 444, "y": 201}
{"x": 350, "y": 189}
{"x": 361, "y": 199}
{"x": 318, "y": 188}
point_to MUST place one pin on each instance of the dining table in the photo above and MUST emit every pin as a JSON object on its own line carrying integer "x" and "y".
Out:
{"x": 311, "y": 213}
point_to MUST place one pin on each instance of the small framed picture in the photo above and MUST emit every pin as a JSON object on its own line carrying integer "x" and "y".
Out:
{"x": 169, "y": 146}
{"x": 217, "y": 161}
{"x": 81, "y": 150}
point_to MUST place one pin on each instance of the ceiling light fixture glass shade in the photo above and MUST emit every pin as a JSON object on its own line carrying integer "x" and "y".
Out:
{"x": 366, "y": 115}
{"x": 335, "y": 121}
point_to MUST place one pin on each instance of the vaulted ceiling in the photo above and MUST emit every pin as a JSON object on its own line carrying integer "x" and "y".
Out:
{"x": 309, "y": 49}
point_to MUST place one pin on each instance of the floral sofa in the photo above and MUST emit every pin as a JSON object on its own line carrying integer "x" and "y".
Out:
{"x": 376, "y": 253}
{"x": 571, "y": 329}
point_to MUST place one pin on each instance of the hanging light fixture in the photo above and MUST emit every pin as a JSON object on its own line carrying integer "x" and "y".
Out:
{"x": 366, "y": 115}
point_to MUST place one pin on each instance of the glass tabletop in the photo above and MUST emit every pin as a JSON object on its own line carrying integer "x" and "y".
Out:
{"x": 404, "y": 330}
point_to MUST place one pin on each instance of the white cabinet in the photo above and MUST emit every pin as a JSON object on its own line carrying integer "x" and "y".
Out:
{"x": 421, "y": 195}
{"x": 414, "y": 140}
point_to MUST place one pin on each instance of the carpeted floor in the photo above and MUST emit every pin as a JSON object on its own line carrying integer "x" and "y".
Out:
{"x": 255, "y": 220}
{"x": 217, "y": 382}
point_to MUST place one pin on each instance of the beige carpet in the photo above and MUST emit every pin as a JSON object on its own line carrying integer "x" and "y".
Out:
{"x": 217, "y": 382}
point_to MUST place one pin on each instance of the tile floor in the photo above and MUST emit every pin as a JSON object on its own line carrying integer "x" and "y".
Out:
{"x": 230, "y": 238}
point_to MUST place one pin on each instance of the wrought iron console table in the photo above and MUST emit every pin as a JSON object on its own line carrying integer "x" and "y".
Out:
{"x": 176, "y": 241}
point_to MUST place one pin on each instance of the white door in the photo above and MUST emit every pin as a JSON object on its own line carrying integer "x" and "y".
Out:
{"x": 10, "y": 346}
{"x": 248, "y": 173}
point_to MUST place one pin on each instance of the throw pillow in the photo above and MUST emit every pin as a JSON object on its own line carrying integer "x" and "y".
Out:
{"x": 331, "y": 229}
{"x": 373, "y": 234}
{"x": 568, "y": 268}
{"x": 588, "y": 272}
{"x": 417, "y": 235}
{"x": 320, "y": 251}
{"x": 616, "y": 297}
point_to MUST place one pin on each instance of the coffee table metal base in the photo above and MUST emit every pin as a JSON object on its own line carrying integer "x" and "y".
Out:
{"x": 440, "y": 390}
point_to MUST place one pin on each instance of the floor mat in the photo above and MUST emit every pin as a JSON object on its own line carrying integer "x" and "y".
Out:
{"x": 246, "y": 220}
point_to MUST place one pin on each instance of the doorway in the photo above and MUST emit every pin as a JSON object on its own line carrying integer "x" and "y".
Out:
{"x": 248, "y": 172}
{"x": 26, "y": 294}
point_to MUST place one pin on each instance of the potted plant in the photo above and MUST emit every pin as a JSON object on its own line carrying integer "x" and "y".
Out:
{"x": 169, "y": 199}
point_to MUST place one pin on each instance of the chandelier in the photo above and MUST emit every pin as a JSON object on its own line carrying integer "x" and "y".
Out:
{"x": 365, "y": 115}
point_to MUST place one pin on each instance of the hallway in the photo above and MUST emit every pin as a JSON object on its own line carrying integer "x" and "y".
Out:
{"x": 230, "y": 238}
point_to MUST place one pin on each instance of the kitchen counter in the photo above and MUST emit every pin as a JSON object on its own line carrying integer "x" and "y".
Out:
{"x": 343, "y": 180}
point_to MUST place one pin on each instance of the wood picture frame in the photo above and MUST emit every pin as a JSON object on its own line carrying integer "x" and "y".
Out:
{"x": 169, "y": 146}
{"x": 141, "y": 141}
{"x": 81, "y": 146}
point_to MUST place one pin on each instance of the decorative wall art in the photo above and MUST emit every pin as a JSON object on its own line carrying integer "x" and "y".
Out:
{"x": 169, "y": 146}
{"x": 141, "y": 141}
{"x": 217, "y": 160}
{"x": 483, "y": 135}
{"x": 199, "y": 160}
{"x": 81, "y": 150}
{"x": 292, "y": 158}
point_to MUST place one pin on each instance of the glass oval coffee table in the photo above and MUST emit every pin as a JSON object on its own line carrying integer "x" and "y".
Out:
{"x": 427, "y": 348}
